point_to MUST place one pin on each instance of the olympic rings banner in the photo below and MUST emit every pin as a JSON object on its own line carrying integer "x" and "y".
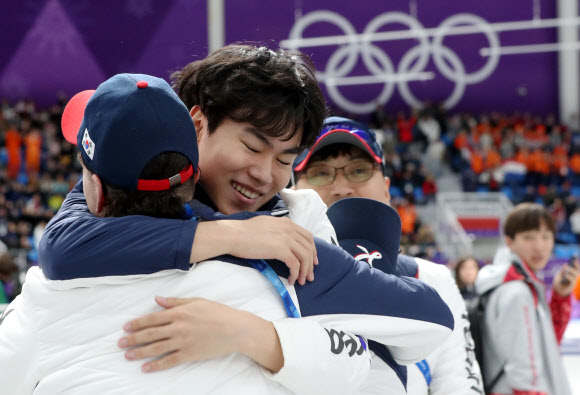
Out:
{"x": 367, "y": 52}
{"x": 402, "y": 53}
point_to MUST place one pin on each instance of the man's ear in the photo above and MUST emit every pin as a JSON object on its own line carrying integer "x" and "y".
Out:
{"x": 100, "y": 194}
{"x": 508, "y": 241}
{"x": 387, "y": 192}
{"x": 199, "y": 120}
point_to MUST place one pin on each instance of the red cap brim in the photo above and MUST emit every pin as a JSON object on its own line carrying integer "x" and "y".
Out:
{"x": 336, "y": 136}
{"x": 72, "y": 116}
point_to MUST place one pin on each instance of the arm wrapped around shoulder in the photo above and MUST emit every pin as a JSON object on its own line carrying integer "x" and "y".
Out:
{"x": 404, "y": 314}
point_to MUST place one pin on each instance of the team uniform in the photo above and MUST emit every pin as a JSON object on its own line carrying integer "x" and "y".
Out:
{"x": 51, "y": 343}
{"x": 452, "y": 367}
{"x": 522, "y": 332}
{"x": 368, "y": 230}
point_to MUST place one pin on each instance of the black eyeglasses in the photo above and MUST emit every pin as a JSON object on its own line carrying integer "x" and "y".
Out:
{"x": 357, "y": 171}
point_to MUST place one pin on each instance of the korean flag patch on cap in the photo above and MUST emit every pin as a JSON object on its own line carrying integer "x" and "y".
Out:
{"x": 88, "y": 144}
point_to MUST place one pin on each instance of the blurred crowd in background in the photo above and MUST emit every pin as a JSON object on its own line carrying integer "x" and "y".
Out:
{"x": 528, "y": 158}
{"x": 37, "y": 169}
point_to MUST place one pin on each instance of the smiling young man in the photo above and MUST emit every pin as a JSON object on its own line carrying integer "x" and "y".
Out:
{"x": 522, "y": 331}
{"x": 253, "y": 110}
{"x": 231, "y": 178}
{"x": 347, "y": 162}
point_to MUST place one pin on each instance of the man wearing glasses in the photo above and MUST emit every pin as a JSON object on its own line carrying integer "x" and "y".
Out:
{"x": 347, "y": 161}
{"x": 347, "y": 148}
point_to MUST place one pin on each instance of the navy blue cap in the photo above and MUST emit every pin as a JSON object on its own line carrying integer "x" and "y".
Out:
{"x": 126, "y": 122}
{"x": 338, "y": 130}
{"x": 368, "y": 230}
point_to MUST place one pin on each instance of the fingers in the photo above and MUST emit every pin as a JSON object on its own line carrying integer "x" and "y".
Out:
{"x": 306, "y": 259}
{"x": 570, "y": 274}
{"x": 150, "y": 350}
{"x": 143, "y": 336}
{"x": 309, "y": 239}
{"x": 168, "y": 361}
{"x": 570, "y": 271}
{"x": 293, "y": 264}
{"x": 310, "y": 276}
{"x": 305, "y": 268}
{"x": 171, "y": 302}
{"x": 298, "y": 259}
{"x": 306, "y": 253}
{"x": 287, "y": 242}
{"x": 153, "y": 319}
{"x": 295, "y": 256}
{"x": 305, "y": 234}
{"x": 292, "y": 228}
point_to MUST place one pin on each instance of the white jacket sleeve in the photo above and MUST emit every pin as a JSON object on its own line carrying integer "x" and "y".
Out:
{"x": 454, "y": 369}
{"x": 319, "y": 360}
{"x": 309, "y": 211}
{"x": 19, "y": 359}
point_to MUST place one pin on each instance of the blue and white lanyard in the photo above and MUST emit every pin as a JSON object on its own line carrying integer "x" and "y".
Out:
{"x": 189, "y": 214}
{"x": 424, "y": 368}
{"x": 271, "y": 275}
{"x": 265, "y": 269}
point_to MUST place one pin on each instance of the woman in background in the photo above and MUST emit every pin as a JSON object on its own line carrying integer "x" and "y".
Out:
{"x": 466, "y": 270}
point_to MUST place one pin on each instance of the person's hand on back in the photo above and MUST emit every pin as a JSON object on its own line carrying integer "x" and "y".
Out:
{"x": 261, "y": 237}
{"x": 196, "y": 329}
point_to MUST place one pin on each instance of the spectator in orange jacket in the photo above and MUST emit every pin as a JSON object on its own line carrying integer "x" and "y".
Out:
{"x": 33, "y": 142}
{"x": 522, "y": 157}
{"x": 408, "y": 216}
{"x": 575, "y": 163}
{"x": 13, "y": 144}
{"x": 492, "y": 159}
{"x": 477, "y": 164}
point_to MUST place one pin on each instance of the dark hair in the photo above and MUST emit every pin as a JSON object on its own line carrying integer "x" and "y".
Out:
{"x": 527, "y": 216}
{"x": 460, "y": 262}
{"x": 334, "y": 150}
{"x": 275, "y": 91}
{"x": 7, "y": 265}
{"x": 161, "y": 204}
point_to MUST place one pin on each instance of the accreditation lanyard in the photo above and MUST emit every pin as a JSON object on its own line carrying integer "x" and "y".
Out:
{"x": 424, "y": 368}
{"x": 271, "y": 275}
{"x": 265, "y": 269}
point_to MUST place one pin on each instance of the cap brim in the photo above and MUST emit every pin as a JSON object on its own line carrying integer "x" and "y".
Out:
{"x": 367, "y": 219}
{"x": 72, "y": 116}
{"x": 338, "y": 136}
